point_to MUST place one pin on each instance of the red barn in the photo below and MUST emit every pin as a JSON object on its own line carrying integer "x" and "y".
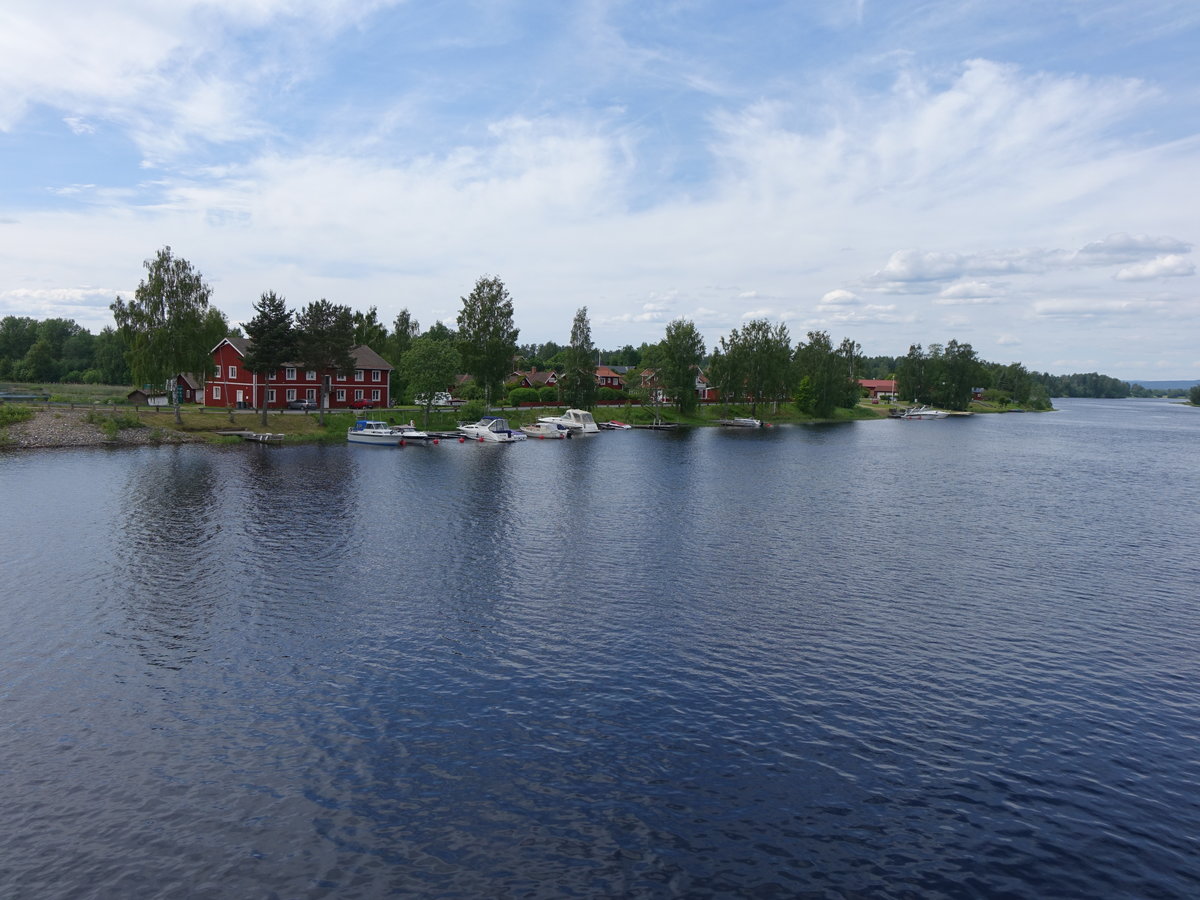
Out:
{"x": 232, "y": 384}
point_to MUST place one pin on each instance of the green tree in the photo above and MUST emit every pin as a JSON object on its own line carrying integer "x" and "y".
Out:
{"x": 17, "y": 334}
{"x": 370, "y": 332}
{"x": 272, "y": 340}
{"x": 913, "y": 375}
{"x": 755, "y": 363}
{"x": 957, "y": 371}
{"x": 682, "y": 350}
{"x": 79, "y": 352}
{"x": 1194, "y": 395}
{"x": 110, "y": 363}
{"x": 440, "y": 331}
{"x": 168, "y": 326}
{"x": 40, "y": 363}
{"x": 404, "y": 329}
{"x": 487, "y": 338}
{"x": 824, "y": 369}
{"x": 429, "y": 367}
{"x": 324, "y": 341}
{"x": 578, "y": 382}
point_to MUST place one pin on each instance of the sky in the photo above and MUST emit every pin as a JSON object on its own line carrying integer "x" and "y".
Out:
{"x": 1023, "y": 176}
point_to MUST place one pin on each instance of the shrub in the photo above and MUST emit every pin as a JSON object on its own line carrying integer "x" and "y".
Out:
{"x": 10, "y": 415}
{"x": 520, "y": 395}
{"x": 548, "y": 394}
{"x": 610, "y": 395}
{"x": 473, "y": 410}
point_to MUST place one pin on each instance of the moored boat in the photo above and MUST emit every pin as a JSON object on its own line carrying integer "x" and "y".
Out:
{"x": 491, "y": 429}
{"x": 741, "y": 422}
{"x": 546, "y": 430}
{"x": 365, "y": 431}
{"x": 923, "y": 412}
{"x": 580, "y": 421}
{"x": 614, "y": 426}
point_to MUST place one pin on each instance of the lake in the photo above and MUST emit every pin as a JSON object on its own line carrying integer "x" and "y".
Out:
{"x": 952, "y": 658}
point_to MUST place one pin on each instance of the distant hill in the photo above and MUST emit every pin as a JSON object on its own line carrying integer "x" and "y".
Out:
{"x": 1164, "y": 385}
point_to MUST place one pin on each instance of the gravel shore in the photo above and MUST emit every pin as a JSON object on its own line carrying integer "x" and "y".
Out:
{"x": 64, "y": 427}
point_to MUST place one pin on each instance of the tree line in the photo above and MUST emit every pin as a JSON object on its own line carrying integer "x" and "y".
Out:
{"x": 169, "y": 326}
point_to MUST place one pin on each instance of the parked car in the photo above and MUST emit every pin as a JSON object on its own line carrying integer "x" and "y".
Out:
{"x": 301, "y": 404}
{"x": 439, "y": 399}
{"x": 361, "y": 404}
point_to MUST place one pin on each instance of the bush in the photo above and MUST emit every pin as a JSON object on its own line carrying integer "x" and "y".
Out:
{"x": 548, "y": 394}
{"x": 473, "y": 410}
{"x": 610, "y": 395}
{"x": 11, "y": 415}
{"x": 1194, "y": 395}
{"x": 520, "y": 395}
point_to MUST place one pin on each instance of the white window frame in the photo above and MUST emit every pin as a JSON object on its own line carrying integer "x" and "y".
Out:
{"x": 270, "y": 395}
{"x": 289, "y": 373}
{"x": 216, "y": 392}
{"x": 358, "y": 394}
{"x": 358, "y": 374}
{"x": 233, "y": 371}
{"x": 310, "y": 375}
{"x": 341, "y": 377}
{"x": 376, "y": 374}
{"x": 291, "y": 394}
{"x": 375, "y": 395}
{"x": 341, "y": 395}
{"x": 311, "y": 395}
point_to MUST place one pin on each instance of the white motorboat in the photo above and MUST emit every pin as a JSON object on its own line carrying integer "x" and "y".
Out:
{"x": 923, "y": 412}
{"x": 544, "y": 430}
{"x": 741, "y": 422}
{"x": 614, "y": 426}
{"x": 580, "y": 421}
{"x": 365, "y": 431}
{"x": 492, "y": 429}
{"x": 411, "y": 432}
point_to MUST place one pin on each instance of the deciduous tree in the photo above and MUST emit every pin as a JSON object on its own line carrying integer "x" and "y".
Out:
{"x": 168, "y": 326}
{"x": 487, "y": 338}
{"x": 429, "y": 367}
{"x": 578, "y": 382}
{"x": 682, "y": 353}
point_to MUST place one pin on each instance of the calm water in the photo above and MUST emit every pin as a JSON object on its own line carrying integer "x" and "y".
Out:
{"x": 890, "y": 659}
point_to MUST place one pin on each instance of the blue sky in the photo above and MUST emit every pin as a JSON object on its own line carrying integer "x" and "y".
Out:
{"x": 1023, "y": 176}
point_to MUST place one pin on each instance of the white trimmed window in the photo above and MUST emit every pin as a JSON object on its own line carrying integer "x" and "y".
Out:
{"x": 216, "y": 392}
{"x": 358, "y": 395}
{"x": 233, "y": 371}
{"x": 270, "y": 395}
{"x": 289, "y": 373}
{"x": 310, "y": 375}
{"x": 291, "y": 394}
{"x": 358, "y": 375}
{"x": 311, "y": 395}
{"x": 375, "y": 395}
{"x": 341, "y": 395}
{"x": 341, "y": 377}
{"x": 376, "y": 375}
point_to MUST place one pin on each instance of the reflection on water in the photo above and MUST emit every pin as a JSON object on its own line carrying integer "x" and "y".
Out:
{"x": 897, "y": 659}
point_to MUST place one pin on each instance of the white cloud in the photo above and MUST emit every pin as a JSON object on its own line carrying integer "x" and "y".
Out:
{"x": 969, "y": 293}
{"x": 1173, "y": 266}
{"x": 1122, "y": 247}
{"x": 838, "y": 298}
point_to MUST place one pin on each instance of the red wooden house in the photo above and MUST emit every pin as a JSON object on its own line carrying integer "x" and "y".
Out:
{"x": 232, "y": 384}
{"x": 879, "y": 388}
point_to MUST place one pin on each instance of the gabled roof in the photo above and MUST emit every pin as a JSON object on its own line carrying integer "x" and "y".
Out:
{"x": 362, "y": 355}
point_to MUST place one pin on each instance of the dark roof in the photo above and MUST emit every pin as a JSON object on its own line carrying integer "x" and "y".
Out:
{"x": 364, "y": 357}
